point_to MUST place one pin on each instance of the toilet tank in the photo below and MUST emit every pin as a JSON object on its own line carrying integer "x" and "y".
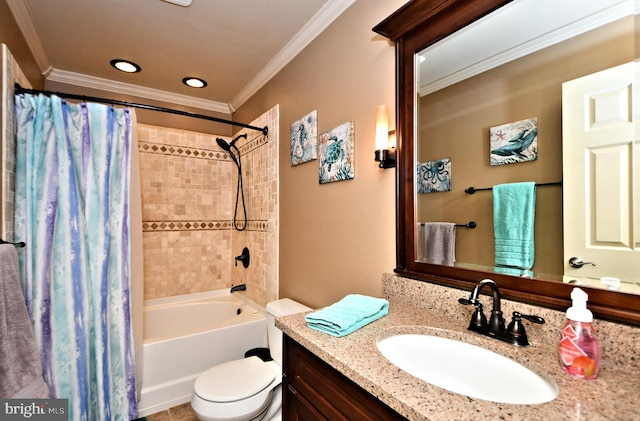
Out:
{"x": 278, "y": 308}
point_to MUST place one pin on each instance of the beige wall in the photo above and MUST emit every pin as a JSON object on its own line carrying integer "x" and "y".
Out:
{"x": 336, "y": 238}
{"x": 11, "y": 36}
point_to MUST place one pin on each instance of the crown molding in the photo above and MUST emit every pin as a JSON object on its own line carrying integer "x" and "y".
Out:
{"x": 78, "y": 79}
{"x": 316, "y": 25}
{"x": 23, "y": 19}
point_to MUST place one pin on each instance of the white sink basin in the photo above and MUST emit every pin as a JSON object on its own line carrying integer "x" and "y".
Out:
{"x": 466, "y": 369}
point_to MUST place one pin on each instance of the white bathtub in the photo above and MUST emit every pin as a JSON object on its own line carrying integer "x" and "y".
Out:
{"x": 187, "y": 334}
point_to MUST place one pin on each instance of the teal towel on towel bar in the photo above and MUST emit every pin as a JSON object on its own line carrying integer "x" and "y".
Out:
{"x": 508, "y": 270}
{"x": 348, "y": 314}
{"x": 514, "y": 207}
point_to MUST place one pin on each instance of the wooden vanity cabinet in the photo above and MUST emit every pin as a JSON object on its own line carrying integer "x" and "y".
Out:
{"x": 313, "y": 390}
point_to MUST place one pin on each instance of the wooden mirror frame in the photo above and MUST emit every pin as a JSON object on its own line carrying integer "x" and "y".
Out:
{"x": 413, "y": 27}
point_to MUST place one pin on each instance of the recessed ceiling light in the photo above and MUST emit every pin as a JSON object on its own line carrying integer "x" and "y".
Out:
{"x": 194, "y": 82}
{"x": 125, "y": 66}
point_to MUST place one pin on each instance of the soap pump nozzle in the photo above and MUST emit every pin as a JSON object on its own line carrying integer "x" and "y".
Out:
{"x": 578, "y": 311}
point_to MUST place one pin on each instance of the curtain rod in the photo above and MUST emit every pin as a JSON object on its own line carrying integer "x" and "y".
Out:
{"x": 472, "y": 190}
{"x": 20, "y": 90}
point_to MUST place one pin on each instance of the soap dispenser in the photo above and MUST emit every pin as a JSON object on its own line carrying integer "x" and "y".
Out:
{"x": 579, "y": 349}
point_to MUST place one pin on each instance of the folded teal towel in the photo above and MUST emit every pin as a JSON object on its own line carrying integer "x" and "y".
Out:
{"x": 514, "y": 208}
{"x": 348, "y": 314}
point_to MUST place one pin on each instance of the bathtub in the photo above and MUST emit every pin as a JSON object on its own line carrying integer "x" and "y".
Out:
{"x": 187, "y": 334}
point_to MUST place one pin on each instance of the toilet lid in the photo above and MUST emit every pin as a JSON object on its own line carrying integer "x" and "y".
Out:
{"x": 234, "y": 380}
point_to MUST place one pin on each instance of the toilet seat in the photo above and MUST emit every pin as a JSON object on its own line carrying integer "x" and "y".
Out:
{"x": 238, "y": 390}
{"x": 243, "y": 378}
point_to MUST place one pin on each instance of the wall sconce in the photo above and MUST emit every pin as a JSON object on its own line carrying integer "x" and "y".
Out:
{"x": 385, "y": 141}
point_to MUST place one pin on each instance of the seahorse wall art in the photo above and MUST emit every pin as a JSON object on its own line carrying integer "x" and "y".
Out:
{"x": 304, "y": 139}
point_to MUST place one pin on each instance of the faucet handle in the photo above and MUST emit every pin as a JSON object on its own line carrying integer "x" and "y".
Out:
{"x": 534, "y": 319}
{"x": 244, "y": 258}
{"x": 516, "y": 329}
{"x": 478, "y": 319}
{"x": 465, "y": 301}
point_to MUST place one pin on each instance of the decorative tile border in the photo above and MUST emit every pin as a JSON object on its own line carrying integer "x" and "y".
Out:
{"x": 253, "y": 143}
{"x": 186, "y": 152}
{"x": 162, "y": 226}
{"x": 189, "y": 152}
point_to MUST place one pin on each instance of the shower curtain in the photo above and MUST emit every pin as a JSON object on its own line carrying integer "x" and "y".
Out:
{"x": 72, "y": 210}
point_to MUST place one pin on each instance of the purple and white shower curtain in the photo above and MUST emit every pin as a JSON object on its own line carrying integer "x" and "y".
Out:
{"x": 72, "y": 210}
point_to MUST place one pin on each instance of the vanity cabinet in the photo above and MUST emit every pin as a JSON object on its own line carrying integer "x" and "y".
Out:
{"x": 313, "y": 390}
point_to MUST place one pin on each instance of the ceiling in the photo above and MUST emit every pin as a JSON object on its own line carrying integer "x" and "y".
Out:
{"x": 235, "y": 45}
{"x": 485, "y": 46}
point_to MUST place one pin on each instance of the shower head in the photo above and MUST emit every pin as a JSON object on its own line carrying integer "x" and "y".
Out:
{"x": 223, "y": 144}
{"x": 227, "y": 146}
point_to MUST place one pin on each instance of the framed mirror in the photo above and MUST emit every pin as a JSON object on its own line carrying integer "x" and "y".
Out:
{"x": 427, "y": 98}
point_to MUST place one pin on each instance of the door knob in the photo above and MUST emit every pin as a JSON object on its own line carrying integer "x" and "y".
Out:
{"x": 577, "y": 262}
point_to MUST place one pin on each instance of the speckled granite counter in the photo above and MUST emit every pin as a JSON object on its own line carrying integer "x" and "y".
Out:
{"x": 418, "y": 307}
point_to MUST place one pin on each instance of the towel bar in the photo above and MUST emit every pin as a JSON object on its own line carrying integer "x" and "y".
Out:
{"x": 470, "y": 224}
{"x": 472, "y": 190}
{"x": 18, "y": 244}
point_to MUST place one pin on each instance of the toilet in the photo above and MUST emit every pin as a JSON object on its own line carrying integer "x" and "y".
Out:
{"x": 247, "y": 389}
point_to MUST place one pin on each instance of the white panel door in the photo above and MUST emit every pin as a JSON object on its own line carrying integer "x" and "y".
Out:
{"x": 601, "y": 175}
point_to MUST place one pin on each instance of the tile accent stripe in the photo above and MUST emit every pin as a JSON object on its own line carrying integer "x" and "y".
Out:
{"x": 163, "y": 226}
{"x": 187, "y": 152}
{"x": 253, "y": 144}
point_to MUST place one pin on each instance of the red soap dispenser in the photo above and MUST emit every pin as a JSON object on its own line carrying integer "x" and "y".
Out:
{"x": 579, "y": 348}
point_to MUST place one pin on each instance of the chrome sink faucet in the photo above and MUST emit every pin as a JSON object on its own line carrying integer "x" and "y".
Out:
{"x": 495, "y": 328}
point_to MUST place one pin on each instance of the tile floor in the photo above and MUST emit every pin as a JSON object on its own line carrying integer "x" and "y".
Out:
{"x": 177, "y": 413}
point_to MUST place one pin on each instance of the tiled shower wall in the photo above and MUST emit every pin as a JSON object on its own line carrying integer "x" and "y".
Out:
{"x": 260, "y": 165}
{"x": 10, "y": 74}
{"x": 188, "y": 198}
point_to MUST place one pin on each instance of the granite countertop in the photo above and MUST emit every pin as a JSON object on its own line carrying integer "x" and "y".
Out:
{"x": 612, "y": 396}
